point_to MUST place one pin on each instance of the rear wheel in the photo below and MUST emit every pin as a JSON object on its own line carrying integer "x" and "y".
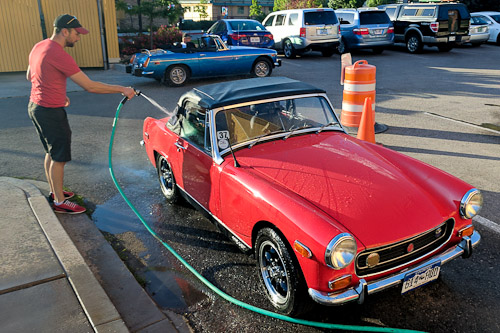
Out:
{"x": 414, "y": 44}
{"x": 280, "y": 274}
{"x": 289, "y": 50}
{"x": 342, "y": 47}
{"x": 262, "y": 68}
{"x": 167, "y": 180}
{"x": 176, "y": 75}
{"x": 498, "y": 39}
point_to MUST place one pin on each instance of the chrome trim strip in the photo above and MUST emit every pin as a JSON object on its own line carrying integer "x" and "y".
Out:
{"x": 214, "y": 217}
{"x": 363, "y": 289}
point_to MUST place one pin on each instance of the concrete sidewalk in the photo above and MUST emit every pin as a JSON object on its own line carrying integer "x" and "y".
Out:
{"x": 46, "y": 284}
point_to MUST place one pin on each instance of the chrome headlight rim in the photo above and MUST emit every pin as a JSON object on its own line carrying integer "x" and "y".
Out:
{"x": 334, "y": 243}
{"x": 466, "y": 200}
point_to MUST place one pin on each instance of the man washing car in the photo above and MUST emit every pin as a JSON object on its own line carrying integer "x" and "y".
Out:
{"x": 49, "y": 66}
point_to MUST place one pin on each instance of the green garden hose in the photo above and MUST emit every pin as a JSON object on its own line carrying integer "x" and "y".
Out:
{"x": 213, "y": 287}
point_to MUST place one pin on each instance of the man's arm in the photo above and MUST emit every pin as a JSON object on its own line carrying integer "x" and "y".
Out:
{"x": 28, "y": 74}
{"x": 96, "y": 87}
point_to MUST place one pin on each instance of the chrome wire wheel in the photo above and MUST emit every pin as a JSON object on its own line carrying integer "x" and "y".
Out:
{"x": 262, "y": 68}
{"x": 166, "y": 179}
{"x": 177, "y": 75}
{"x": 274, "y": 274}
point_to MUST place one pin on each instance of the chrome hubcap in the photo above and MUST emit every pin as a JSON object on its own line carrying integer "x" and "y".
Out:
{"x": 178, "y": 75}
{"x": 262, "y": 69}
{"x": 166, "y": 177}
{"x": 273, "y": 272}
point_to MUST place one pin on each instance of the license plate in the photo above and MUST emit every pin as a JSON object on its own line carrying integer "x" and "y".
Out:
{"x": 378, "y": 31}
{"x": 420, "y": 277}
{"x": 451, "y": 38}
{"x": 254, "y": 39}
{"x": 322, "y": 32}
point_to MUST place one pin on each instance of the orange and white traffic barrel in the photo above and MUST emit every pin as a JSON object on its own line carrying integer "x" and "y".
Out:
{"x": 359, "y": 83}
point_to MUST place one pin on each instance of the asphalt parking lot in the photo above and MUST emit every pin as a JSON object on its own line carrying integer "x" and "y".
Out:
{"x": 441, "y": 108}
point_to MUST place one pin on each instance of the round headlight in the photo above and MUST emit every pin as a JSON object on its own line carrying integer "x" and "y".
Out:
{"x": 471, "y": 203}
{"x": 341, "y": 251}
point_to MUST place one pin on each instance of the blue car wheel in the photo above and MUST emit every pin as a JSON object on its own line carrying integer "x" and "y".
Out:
{"x": 176, "y": 75}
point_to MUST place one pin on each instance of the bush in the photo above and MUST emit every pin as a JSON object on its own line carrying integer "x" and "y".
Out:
{"x": 162, "y": 38}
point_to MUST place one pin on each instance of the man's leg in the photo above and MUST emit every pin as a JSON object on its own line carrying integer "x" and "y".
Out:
{"x": 46, "y": 165}
{"x": 56, "y": 174}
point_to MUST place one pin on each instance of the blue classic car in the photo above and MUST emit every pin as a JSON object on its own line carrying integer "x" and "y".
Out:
{"x": 209, "y": 57}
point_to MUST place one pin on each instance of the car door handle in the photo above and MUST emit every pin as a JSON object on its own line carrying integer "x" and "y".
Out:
{"x": 179, "y": 146}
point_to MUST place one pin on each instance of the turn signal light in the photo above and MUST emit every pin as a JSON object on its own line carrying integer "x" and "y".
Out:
{"x": 132, "y": 59}
{"x": 146, "y": 63}
{"x": 390, "y": 30}
{"x": 302, "y": 249}
{"x": 340, "y": 283}
{"x": 362, "y": 31}
{"x": 302, "y": 32}
{"x": 467, "y": 231}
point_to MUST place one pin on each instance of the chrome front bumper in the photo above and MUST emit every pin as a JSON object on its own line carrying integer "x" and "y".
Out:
{"x": 464, "y": 249}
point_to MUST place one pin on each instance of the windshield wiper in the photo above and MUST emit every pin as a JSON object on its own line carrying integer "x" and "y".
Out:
{"x": 293, "y": 130}
{"x": 261, "y": 136}
{"x": 326, "y": 125}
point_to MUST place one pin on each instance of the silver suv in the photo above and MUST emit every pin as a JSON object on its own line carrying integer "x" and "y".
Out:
{"x": 297, "y": 31}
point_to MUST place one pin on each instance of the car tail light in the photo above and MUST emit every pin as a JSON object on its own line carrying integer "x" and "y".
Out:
{"x": 340, "y": 283}
{"x": 435, "y": 26}
{"x": 237, "y": 36}
{"x": 146, "y": 63}
{"x": 361, "y": 31}
{"x": 132, "y": 59}
{"x": 302, "y": 32}
{"x": 390, "y": 30}
{"x": 270, "y": 36}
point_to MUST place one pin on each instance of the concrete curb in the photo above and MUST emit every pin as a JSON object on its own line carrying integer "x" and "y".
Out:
{"x": 99, "y": 309}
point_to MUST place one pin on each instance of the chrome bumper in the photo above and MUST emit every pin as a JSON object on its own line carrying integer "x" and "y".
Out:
{"x": 464, "y": 249}
{"x": 277, "y": 63}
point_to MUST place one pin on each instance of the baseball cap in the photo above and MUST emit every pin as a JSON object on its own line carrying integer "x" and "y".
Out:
{"x": 69, "y": 21}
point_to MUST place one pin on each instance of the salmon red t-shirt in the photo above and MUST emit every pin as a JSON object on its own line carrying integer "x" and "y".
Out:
{"x": 50, "y": 65}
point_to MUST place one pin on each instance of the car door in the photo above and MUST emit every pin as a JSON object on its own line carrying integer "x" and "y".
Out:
{"x": 214, "y": 58}
{"x": 192, "y": 159}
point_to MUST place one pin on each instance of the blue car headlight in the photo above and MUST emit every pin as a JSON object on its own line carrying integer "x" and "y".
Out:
{"x": 471, "y": 203}
{"x": 341, "y": 251}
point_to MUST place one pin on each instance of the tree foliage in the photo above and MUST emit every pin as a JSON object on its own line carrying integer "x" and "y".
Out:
{"x": 335, "y": 4}
{"x": 256, "y": 11}
{"x": 201, "y": 9}
{"x": 375, "y": 3}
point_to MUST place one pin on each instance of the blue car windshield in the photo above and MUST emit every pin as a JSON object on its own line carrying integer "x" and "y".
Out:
{"x": 250, "y": 122}
{"x": 246, "y": 25}
{"x": 366, "y": 18}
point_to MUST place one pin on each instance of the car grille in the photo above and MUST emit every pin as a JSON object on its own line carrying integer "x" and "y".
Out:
{"x": 398, "y": 254}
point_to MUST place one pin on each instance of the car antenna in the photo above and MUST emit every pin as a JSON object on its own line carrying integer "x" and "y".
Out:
{"x": 236, "y": 164}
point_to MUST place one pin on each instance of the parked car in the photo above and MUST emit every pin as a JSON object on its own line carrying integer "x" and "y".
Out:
{"x": 435, "y": 24}
{"x": 365, "y": 28}
{"x": 297, "y": 31}
{"x": 242, "y": 32}
{"x": 493, "y": 19}
{"x": 330, "y": 218}
{"x": 212, "y": 57}
{"x": 479, "y": 30}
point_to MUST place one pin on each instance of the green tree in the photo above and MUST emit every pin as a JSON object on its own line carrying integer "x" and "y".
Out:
{"x": 335, "y": 4}
{"x": 127, "y": 9}
{"x": 202, "y": 9}
{"x": 256, "y": 11}
{"x": 280, "y": 5}
{"x": 375, "y": 3}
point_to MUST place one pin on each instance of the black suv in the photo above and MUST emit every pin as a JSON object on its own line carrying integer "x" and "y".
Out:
{"x": 436, "y": 24}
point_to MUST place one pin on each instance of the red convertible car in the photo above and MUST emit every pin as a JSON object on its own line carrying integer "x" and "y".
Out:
{"x": 328, "y": 217}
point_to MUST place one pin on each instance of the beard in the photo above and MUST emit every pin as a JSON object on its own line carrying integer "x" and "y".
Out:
{"x": 70, "y": 44}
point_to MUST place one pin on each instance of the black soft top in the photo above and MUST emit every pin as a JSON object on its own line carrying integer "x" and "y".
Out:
{"x": 234, "y": 92}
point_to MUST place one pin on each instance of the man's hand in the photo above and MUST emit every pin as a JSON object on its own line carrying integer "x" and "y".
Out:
{"x": 129, "y": 92}
{"x": 67, "y": 102}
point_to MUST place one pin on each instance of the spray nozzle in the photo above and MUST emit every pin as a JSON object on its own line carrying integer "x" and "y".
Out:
{"x": 137, "y": 92}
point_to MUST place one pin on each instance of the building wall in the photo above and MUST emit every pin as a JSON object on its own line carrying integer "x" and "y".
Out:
{"x": 23, "y": 24}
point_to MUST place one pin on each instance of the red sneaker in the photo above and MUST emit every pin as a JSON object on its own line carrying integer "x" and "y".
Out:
{"x": 67, "y": 195}
{"x": 68, "y": 207}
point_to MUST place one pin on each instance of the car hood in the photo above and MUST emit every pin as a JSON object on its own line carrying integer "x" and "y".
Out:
{"x": 368, "y": 195}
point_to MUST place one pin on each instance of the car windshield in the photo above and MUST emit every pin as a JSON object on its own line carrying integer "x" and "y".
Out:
{"x": 246, "y": 25}
{"x": 250, "y": 122}
{"x": 373, "y": 18}
{"x": 477, "y": 20}
{"x": 320, "y": 17}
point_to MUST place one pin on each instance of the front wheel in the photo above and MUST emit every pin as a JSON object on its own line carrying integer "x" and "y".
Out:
{"x": 166, "y": 179}
{"x": 262, "y": 68}
{"x": 280, "y": 274}
{"x": 176, "y": 75}
{"x": 414, "y": 44}
{"x": 289, "y": 50}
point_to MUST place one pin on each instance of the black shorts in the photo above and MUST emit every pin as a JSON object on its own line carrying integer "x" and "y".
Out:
{"x": 53, "y": 128}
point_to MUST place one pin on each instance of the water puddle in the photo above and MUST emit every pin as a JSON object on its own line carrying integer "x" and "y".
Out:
{"x": 154, "y": 267}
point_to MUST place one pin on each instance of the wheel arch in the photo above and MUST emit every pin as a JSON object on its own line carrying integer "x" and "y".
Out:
{"x": 414, "y": 31}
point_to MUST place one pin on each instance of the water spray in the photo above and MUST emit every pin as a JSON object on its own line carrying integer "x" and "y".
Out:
{"x": 201, "y": 277}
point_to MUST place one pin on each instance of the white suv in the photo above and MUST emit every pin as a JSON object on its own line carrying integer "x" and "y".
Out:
{"x": 297, "y": 31}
